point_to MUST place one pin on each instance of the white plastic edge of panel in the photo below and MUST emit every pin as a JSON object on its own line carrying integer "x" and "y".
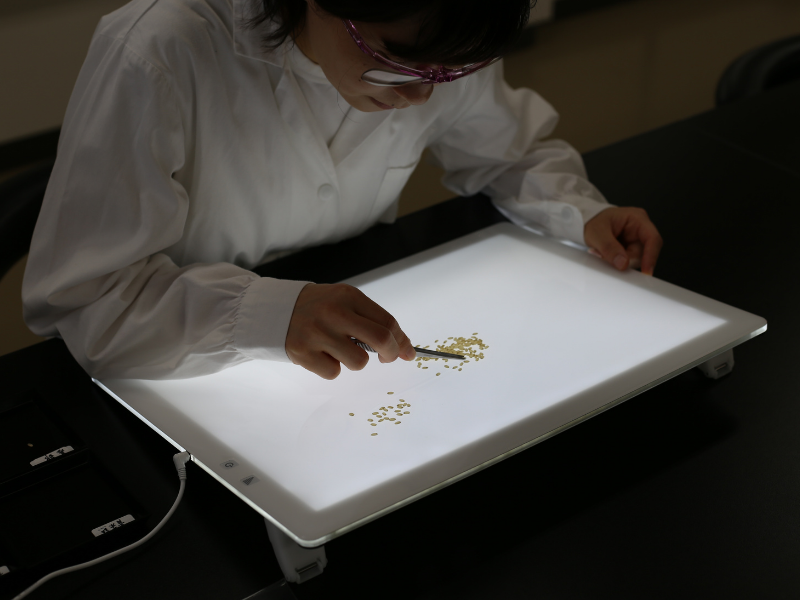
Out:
{"x": 406, "y": 501}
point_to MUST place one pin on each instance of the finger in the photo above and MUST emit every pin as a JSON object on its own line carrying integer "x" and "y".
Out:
{"x": 407, "y": 351}
{"x": 652, "y": 249}
{"x": 331, "y": 347}
{"x": 389, "y": 348}
{"x": 381, "y": 338}
{"x": 319, "y": 363}
{"x": 634, "y": 251}
{"x": 611, "y": 250}
{"x": 333, "y": 342}
{"x": 347, "y": 352}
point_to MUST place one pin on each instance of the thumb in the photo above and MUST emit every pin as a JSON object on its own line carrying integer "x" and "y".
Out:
{"x": 611, "y": 251}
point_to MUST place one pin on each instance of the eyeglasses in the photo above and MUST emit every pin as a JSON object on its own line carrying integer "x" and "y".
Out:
{"x": 401, "y": 74}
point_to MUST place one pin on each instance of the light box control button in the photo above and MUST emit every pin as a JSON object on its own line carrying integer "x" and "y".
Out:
{"x": 229, "y": 464}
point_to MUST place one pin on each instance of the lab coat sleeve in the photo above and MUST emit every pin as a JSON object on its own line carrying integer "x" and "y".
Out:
{"x": 495, "y": 146}
{"x": 97, "y": 274}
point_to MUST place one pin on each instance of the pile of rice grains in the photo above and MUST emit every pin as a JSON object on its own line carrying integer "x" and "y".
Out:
{"x": 470, "y": 348}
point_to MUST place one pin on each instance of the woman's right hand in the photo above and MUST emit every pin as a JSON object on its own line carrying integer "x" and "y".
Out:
{"x": 326, "y": 316}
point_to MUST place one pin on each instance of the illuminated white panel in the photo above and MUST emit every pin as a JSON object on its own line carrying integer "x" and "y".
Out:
{"x": 566, "y": 335}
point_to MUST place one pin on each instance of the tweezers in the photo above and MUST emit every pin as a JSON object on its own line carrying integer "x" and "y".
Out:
{"x": 420, "y": 351}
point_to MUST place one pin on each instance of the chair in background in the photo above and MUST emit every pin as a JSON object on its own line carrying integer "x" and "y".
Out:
{"x": 760, "y": 69}
{"x": 20, "y": 201}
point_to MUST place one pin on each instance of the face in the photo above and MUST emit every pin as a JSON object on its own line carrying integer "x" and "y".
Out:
{"x": 325, "y": 40}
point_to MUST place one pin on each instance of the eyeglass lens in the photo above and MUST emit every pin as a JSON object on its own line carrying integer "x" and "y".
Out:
{"x": 388, "y": 78}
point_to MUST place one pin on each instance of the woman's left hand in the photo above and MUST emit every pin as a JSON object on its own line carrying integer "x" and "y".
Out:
{"x": 624, "y": 237}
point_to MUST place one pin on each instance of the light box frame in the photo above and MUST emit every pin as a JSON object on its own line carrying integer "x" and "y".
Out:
{"x": 312, "y": 528}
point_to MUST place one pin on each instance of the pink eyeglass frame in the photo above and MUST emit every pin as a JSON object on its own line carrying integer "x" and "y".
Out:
{"x": 428, "y": 76}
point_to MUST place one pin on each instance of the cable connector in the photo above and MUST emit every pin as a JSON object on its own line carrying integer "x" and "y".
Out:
{"x": 180, "y": 461}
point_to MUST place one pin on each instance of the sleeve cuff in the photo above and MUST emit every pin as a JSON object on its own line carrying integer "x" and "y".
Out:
{"x": 262, "y": 320}
{"x": 564, "y": 218}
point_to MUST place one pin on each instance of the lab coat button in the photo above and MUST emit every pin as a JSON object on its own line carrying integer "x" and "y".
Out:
{"x": 326, "y": 192}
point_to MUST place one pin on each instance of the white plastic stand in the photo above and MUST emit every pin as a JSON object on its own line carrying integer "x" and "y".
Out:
{"x": 297, "y": 563}
{"x": 720, "y": 365}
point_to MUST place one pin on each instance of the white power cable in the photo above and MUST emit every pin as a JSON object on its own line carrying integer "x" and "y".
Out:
{"x": 180, "y": 461}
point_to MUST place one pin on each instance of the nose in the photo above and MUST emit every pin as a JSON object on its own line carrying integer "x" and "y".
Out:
{"x": 415, "y": 93}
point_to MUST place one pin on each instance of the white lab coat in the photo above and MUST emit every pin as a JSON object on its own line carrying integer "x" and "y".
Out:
{"x": 189, "y": 156}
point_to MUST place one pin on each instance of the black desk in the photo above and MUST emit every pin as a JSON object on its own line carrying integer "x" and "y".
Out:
{"x": 690, "y": 490}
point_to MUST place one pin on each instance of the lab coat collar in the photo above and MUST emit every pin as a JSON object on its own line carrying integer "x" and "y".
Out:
{"x": 356, "y": 130}
{"x": 353, "y": 132}
{"x": 247, "y": 41}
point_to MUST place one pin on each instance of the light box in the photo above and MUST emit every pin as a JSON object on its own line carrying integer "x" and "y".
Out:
{"x": 563, "y": 337}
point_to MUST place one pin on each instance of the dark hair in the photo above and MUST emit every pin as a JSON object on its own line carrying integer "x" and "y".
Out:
{"x": 451, "y": 31}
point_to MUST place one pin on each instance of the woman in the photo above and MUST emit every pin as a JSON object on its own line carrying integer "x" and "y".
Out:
{"x": 205, "y": 137}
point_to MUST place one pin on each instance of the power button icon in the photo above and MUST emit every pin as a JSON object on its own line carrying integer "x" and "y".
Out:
{"x": 229, "y": 464}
